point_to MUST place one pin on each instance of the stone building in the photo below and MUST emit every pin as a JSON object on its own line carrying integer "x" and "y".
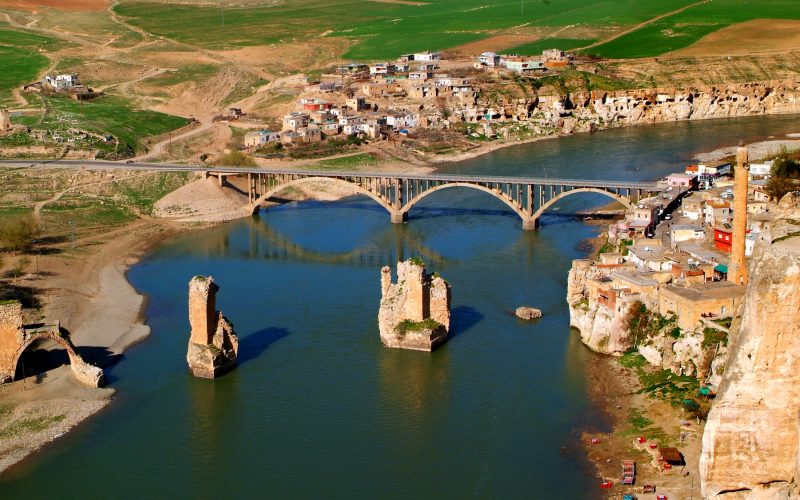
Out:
{"x": 213, "y": 345}
{"x": 415, "y": 311}
{"x": 718, "y": 300}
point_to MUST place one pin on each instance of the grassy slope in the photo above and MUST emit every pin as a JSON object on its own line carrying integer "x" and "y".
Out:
{"x": 381, "y": 30}
{"x": 683, "y": 29}
{"x": 109, "y": 114}
{"x": 20, "y": 61}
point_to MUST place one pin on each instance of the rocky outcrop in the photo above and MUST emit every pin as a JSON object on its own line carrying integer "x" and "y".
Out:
{"x": 528, "y": 313}
{"x": 553, "y": 111}
{"x": 751, "y": 442}
{"x": 415, "y": 311}
{"x": 213, "y": 345}
{"x": 601, "y": 328}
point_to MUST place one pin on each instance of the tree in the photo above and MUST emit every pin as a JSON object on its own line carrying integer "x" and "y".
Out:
{"x": 17, "y": 234}
{"x": 785, "y": 175}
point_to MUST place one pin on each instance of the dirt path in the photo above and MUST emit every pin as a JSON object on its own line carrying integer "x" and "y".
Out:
{"x": 641, "y": 25}
{"x": 159, "y": 148}
{"x": 37, "y": 209}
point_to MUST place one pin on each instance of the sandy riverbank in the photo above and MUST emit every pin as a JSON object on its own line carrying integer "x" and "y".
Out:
{"x": 85, "y": 287}
{"x": 758, "y": 150}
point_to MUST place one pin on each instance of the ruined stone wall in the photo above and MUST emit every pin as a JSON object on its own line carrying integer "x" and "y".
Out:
{"x": 10, "y": 326}
{"x": 415, "y": 298}
{"x": 751, "y": 440}
{"x": 213, "y": 345}
{"x": 202, "y": 309}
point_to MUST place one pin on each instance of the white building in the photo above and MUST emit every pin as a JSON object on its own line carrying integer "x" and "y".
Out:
{"x": 428, "y": 56}
{"x": 490, "y": 59}
{"x": 761, "y": 169}
{"x": 62, "y": 82}
{"x": 258, "y": 138}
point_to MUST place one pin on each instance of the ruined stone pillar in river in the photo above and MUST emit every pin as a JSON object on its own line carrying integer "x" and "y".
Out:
{"x": 213, "y": 345}
{"x": 415, "y": 311}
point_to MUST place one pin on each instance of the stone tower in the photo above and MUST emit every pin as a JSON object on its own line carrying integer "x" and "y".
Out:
{"x": 213, "y": 345}
{"x": 738, "y": 269}
{"x": 5, "y": 121}
{"x": 415, "y": 311}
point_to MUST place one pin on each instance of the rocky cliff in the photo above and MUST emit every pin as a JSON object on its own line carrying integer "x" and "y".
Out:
{"x": 415, "y": 311}
{"x": 751, "y": 443}
{"x": 213, "y": 345}
{"x": 601, "y": 328}
{"x": 555, "y": 111}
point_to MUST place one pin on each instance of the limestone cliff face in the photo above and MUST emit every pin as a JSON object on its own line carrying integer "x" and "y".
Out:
{"x": 751, "y": 442}
{"x": 588, "y": 111}
{"x": 213, "y": 345}
{"x": 415, "y": 311}
{"x": 601, "y": 327}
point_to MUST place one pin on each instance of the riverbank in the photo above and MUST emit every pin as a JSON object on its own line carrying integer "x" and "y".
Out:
{"x": 613, "y": 389}
{"x": 83, "y": 285}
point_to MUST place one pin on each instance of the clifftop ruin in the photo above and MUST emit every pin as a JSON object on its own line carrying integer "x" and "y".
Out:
{"x": 213, "y": 345}
{"x": 415, "y": 311}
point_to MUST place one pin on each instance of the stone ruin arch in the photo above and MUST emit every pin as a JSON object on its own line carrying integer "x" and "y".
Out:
{"x": 16, "y": 338}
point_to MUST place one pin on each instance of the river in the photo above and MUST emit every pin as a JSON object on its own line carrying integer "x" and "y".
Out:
{"x": 318, "y": 408}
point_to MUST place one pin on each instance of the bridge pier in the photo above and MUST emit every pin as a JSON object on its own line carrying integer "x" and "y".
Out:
{"x": 399, "y": 217}
{"x": 530, "y": 224}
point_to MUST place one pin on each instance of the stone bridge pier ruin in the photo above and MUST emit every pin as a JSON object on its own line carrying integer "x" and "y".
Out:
{"x": 213, "y": 345}
{"x": 16, "y": 338}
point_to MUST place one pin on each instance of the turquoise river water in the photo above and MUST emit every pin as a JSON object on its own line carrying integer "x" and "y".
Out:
{"x": 318, "y": 408}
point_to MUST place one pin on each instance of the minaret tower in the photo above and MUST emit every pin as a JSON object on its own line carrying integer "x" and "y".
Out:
{"x": 738, "y": 269}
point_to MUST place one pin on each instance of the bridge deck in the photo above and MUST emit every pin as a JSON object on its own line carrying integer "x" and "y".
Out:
{"x": 482, "y": 179}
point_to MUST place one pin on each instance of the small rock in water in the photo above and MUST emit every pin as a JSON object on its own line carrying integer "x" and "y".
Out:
{"x": 528, "y": 313}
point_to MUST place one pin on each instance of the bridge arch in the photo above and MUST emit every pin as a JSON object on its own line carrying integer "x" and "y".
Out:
{"x": 256, "y": 205}
{"x": 85, "y": 373}
{"x": 499, "y": 195}
{"x": 614, "y": 196}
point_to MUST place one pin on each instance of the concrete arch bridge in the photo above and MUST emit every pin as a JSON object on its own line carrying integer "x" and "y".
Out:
{"x": 528, "y": 197}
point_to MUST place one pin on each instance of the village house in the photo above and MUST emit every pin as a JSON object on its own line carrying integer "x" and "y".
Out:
{"x": 295, "y": 120}
{"x": 428, "y": 56}
{"x": 381, "y": 69}
{"x": 489, "y": 59}
{"x": 401, "y": 120}
{"x": 693, "y": 207}
{"x": 356, "y": 103}
{"x": 62, "y": 82}
{"x": 759, "y": 170}
{"x": 708, "y": 300}
{"x": 718, "y": 213}
{"x": 315, "y": 104}
{"x": 682, "y": 181}
{"x": 258, "y": 138}
{"x": 723, "y": 240}
{"x": 684, "y": 232}
{"x": 419, "y": 75}
{"x": 523, "y": 65}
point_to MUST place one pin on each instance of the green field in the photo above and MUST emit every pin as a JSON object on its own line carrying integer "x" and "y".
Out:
{"x": 685, "y": 28}
{"x": 536, "y": 48}
{"x": 20, "y": 62}
{"x": 109, "y": 115}
{"x": 379, "y": 30}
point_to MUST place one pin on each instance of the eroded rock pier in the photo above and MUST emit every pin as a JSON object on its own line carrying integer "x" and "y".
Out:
{"x": 213, "y": 345}
{"x": 415, "y": 311}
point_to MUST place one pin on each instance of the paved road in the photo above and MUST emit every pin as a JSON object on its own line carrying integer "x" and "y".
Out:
{"x": 169, "y": 167}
